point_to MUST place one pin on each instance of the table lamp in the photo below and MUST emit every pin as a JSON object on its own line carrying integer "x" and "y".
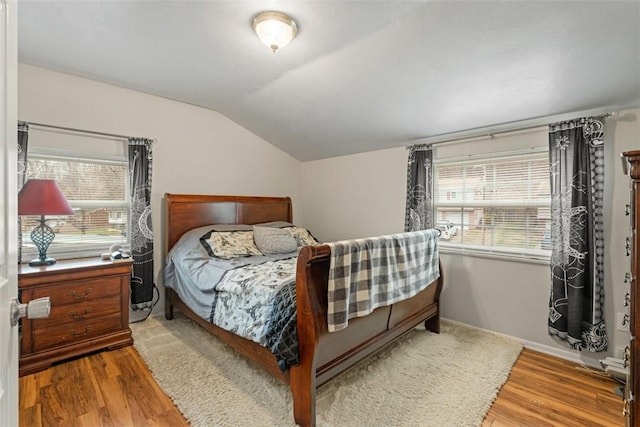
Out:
{"x": 42, "y": 197}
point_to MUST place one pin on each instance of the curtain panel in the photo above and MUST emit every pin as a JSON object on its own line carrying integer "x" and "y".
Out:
{"x": 140, "y": 170}
{"x": 419, "y": 210}
{"x": 576, "y": 304}
{"x": 23, "y": 142}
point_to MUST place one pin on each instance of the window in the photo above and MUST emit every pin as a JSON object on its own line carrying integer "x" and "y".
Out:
{"x": 501, "y": 203}
{"x": 96, "y": 189}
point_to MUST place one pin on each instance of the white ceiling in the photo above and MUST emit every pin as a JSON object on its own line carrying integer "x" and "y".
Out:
{"x": 360, "y": 75}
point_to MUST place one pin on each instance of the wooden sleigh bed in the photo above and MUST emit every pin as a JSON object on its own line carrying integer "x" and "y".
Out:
{"x": 323, "y": 355}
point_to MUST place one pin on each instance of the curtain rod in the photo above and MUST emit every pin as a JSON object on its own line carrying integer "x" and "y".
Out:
{"x": 489, "y": 131}
{"x": 489, "y": 135}
{"x": 90, "y": 132}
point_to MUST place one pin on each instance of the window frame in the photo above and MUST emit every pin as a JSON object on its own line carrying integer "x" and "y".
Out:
{"x": 89, "y": 249}
{"x": 538, "y": 256}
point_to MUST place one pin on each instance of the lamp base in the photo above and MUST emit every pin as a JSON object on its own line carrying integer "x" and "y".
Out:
{"x": 39, "y": 262}
{"x": 42, "y": 236}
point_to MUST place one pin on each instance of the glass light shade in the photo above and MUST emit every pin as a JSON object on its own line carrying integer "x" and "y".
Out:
{"x": 274, "y": 29}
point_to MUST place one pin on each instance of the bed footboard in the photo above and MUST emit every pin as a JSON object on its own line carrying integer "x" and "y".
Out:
{"x": 325, "y": 355}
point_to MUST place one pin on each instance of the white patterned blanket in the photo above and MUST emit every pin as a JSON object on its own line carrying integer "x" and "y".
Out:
{"x": 373, "y": 272}
{"x": 245, "y": 297}
{"x": 258, "y": 302}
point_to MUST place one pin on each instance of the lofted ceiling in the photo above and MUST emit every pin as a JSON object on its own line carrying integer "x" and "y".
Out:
{"x": 360, "y": 75}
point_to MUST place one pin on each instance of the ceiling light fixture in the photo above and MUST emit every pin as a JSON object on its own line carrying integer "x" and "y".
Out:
{"x": 274, "y": 29}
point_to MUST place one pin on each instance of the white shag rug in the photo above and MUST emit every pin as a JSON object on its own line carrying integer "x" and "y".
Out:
{"x": 424, "y": 379}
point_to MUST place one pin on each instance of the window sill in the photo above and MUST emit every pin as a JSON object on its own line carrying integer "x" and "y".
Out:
{"x": 530, "y": 258}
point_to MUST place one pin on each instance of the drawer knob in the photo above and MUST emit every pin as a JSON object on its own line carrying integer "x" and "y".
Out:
{"x": 75, "y": 334}
{"x": 75, "y": 315}
{"x": 75, "y": 295}
{"x": 627, "y": 356}
{"x": 625, "y": 320}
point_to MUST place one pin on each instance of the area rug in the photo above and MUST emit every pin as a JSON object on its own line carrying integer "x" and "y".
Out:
{"x": 424, "y": 379}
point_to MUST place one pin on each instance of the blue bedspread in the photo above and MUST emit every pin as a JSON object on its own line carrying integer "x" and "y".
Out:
{"x": 253, "y": 297}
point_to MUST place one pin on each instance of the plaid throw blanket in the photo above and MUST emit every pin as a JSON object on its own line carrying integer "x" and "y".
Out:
{"x": 368, "y": 273}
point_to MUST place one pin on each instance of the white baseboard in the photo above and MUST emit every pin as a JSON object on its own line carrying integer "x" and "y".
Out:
{"x": 580, "y": 358}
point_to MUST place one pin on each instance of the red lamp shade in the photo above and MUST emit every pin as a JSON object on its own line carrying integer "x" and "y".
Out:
{"x": 42, "y": 197}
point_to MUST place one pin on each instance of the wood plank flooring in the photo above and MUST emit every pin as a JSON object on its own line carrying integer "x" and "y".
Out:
{"x": 110, "y": 388}
{"x": 546, "y": 391}
{"x": 114, "y": 388}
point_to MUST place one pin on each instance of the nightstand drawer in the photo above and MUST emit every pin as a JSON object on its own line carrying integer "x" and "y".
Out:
{"x": 80, "y": 291}
{"x": 73, "y": 332}
{"x": 79, "y": 312}
{"x": 89, "y": 310}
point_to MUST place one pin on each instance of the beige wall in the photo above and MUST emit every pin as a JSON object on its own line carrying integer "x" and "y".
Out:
{"x": 201, "y": 151}
{"x": 197, "y": 150}
{"x": 364, "y": 194}
{"x": 355, "y": 196}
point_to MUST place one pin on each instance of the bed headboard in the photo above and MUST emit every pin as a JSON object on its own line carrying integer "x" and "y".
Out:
{"x": 187, "y": 211}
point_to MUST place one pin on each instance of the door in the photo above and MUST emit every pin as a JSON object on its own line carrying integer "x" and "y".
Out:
{"x": 8, "y": 212}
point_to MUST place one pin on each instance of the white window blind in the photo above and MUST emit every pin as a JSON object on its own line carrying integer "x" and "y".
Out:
{"x": 498, "y": 204}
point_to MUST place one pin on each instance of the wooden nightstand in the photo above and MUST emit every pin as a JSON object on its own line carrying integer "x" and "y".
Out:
{"x": 89, "y": 310}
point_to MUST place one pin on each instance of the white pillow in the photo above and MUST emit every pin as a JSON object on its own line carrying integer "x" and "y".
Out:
{"x": 274, "y": 240}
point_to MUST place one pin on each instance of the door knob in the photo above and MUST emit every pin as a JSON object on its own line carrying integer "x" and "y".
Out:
{"x": 35, "y": 309}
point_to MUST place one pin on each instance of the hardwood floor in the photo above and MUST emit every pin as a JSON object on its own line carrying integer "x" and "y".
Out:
{"x": 111, "y": 388}
{"x": 114, "y": 388}
{"x": 546, "y": 391}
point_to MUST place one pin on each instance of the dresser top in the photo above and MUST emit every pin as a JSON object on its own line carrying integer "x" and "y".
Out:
{"x": 66, "y": 266}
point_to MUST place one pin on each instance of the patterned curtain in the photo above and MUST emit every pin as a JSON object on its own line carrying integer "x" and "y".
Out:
{"x": 142, "y": 284}
{"x": 419, "y": 213}
{"x": 23, "y": 140}
{"x": 576, "y": 157}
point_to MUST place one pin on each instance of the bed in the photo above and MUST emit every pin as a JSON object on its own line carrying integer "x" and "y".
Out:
{"x": 322, "y": 354}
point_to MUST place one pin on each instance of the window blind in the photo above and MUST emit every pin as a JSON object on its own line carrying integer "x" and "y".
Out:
{"x": 498, "y": 204}
{"x": 97, "y": 191}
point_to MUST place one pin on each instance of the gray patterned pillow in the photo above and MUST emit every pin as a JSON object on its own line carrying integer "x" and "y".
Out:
{"x": 274, "y": 240}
